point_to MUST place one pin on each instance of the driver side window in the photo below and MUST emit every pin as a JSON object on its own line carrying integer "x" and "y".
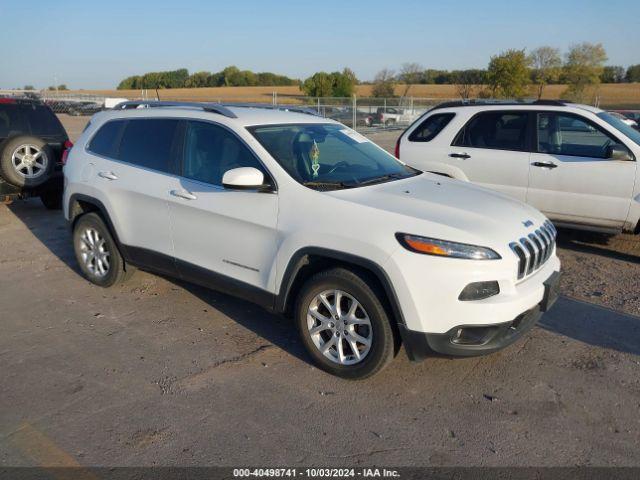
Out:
{"x": 561, "y": 134}
{"x": 211, "y": 150}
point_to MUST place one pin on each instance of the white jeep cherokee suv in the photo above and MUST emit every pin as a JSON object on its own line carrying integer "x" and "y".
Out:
{"x": 305, "y": 216}
{"x": 575, "y": 163}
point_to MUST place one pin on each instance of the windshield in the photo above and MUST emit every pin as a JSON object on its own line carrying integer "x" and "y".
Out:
{"x": 327, "y": 156}
{"x": 620, "y": 125}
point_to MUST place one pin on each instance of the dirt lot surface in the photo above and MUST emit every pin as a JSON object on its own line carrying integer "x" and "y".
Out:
{"x": 608, "y": 93}
{"x": 158, "y": 372}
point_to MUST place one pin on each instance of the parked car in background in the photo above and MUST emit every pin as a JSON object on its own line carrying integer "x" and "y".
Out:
{"x": 73, "y": 107}
{"x": 575, "y": 163}
{"x": 33, "y": 143}
{"x": 307, "y": 217}
{"x": 344, "y": 115}
{"x": 390, "y": 116}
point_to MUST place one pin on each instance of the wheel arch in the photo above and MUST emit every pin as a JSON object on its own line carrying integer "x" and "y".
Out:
{"x": 309, "y": 260}
{"x": 80, "y": 204}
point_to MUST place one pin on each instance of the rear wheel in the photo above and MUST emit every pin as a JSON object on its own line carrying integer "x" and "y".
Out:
{"x": 97, "y": 253}
{"x": 26, "y": 161}
{"x": 344, "y": 325}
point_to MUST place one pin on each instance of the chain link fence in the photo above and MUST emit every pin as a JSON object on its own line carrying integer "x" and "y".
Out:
{"x": 360, "y": 113}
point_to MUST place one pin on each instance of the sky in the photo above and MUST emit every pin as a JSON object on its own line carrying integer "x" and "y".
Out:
{"x": 93, "y": 45}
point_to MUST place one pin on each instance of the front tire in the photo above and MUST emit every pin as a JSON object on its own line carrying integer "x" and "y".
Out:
{"x": 97, "y": 253}
{"x": 344, "y": 325}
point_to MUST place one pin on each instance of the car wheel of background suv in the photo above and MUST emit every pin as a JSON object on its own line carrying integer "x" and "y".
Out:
{"x": 97, "y": 253}
{"x": 344, "y": 325}
{"x": 26, "y": 161}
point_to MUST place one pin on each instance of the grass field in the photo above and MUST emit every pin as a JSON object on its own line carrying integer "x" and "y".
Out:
{"x": 618, "y": 94}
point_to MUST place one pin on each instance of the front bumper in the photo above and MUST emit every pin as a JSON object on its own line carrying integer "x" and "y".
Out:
{"x": 472, "y": 340}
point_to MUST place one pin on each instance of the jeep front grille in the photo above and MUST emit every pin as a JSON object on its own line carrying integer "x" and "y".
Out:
{"x": 534, "y": 249}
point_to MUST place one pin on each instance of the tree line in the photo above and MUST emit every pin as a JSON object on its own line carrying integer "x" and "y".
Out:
{"x": 515, "y": 73}
{"x": 510, "y": 74}
{"x": 231, "y": 76}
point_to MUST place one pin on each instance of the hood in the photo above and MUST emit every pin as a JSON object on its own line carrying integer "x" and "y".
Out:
{"x": 440, "y": 207}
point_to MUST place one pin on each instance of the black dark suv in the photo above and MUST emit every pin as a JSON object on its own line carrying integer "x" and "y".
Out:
{"x": 33, "y": 143}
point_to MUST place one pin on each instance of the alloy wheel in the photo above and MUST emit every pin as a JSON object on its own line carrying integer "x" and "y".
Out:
{"x": 29, "y": 161}
{"x": 339, "y": 327}
{"x": 94, "y": 252}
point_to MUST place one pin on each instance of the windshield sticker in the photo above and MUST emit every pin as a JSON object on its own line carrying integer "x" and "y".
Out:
{"x": 314, "y": 154}
{"x": 353, "y": 135}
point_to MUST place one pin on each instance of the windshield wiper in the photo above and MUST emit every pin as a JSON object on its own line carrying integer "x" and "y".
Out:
{"x": 326, "y": 185}
{"x": 380, "y": 179}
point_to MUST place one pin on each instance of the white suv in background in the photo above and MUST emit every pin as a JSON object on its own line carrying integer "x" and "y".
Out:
{"x": 575, "y": 163}
{"x": 305, "y": 216}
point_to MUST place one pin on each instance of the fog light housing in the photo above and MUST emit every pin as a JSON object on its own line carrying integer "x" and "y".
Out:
{"x": 473, "y": 335}
{"x": 479, "y": 291}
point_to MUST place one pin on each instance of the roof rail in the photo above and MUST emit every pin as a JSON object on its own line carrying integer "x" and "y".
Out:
{"x": 207, "y": 107}
{"x": 269, "y": 106}
{"x": 480, "y": 102}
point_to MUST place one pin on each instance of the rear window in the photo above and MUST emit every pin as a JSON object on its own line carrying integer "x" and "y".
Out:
{"x": 105, "y": 141}
{"x": 43, "y": 121}
{"x": 150, "y": 143}
{"x": 11, "y": 120}
{"x": 431, "y": 127}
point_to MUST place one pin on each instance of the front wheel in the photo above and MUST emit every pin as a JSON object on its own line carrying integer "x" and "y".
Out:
{"x": 343, "y": 324}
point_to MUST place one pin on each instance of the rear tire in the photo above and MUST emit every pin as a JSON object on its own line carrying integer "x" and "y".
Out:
{"x": 97, "y": 253}
{"x": 26, "y": 161}
{"x": 332, "y": 335}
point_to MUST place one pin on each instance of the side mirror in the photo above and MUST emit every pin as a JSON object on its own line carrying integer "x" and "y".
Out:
{"x": 243, "y": 178}
{"x": 618, "y": 152}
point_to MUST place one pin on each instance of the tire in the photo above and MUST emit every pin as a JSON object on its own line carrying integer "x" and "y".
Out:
{"x": 390, "y": 123}
{"x": 349, "y": 286}
{"x": 37, "y": 166}
{"x": 91, "y": 236}
{"x": 52, "y": 199}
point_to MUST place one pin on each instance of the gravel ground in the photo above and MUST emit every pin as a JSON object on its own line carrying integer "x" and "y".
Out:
{"x": 158, "y": 372}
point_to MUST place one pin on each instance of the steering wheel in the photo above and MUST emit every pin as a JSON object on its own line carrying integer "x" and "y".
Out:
{"x": 339, "y": 165}
{"x": 605, "y": 147}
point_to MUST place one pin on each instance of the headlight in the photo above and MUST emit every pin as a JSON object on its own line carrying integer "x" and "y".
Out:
{"x": 444, "y": 248}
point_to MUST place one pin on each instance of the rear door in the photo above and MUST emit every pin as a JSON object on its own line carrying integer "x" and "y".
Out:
{"x": 135, "y": 167}
{"x": 493, "y": 150}
{"x": 221, "y": 237}
{"x": 571, "y": 179}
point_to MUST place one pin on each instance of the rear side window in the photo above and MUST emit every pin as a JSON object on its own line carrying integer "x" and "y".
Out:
{"x": 11, "y": 120}
{"x": 495, "y": 130}
{"x": 43, "y": 121}
{"x": 431, "y": 127}
{"x": 150, "y": 143}
{"x": 105, "y": 142}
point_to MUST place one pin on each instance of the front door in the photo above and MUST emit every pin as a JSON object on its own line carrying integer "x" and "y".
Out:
{"x": 571, "y": 177}
{"x": 221, "y": 237}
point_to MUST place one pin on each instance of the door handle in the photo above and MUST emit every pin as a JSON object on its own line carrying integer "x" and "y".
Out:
{"x": 183, "y": 194}
{"x": 460, "y": 155}
{"x": 544, "y": 164}
{"x": 108, "y": 175}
